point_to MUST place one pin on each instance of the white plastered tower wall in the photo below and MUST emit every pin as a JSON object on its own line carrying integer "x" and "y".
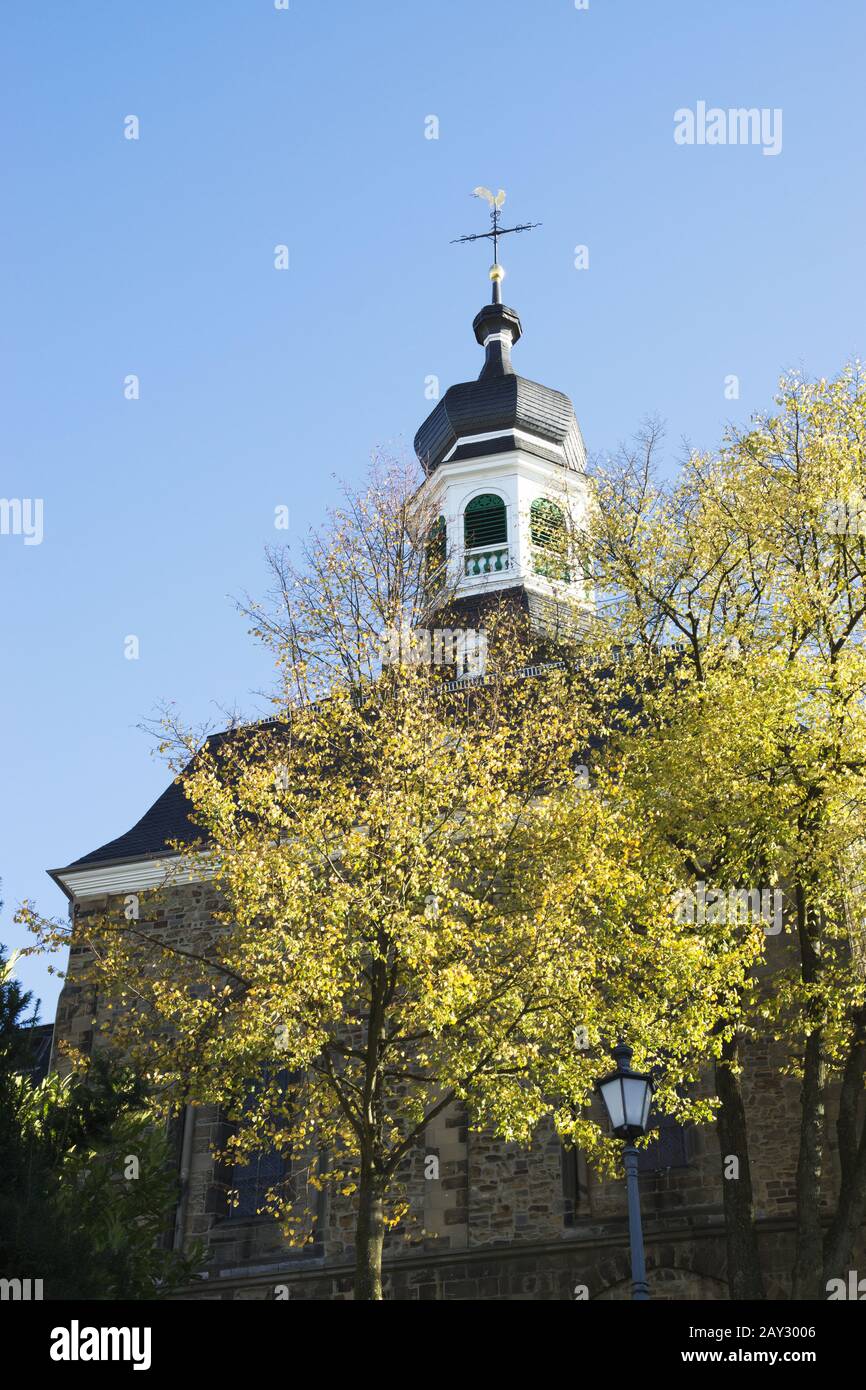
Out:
{"x": 519, "y": 478}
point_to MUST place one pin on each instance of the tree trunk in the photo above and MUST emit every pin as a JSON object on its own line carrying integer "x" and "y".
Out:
{"x": 809, "y": 1260}
{"x": 851, "y": 1206}
{"x": 745, "y": 1279}
{"x": 369, "y": 1236}
{"x": 810, "y": 1243}
{"x": 370, "y": 1226}
{"x": 847, "y": 1223}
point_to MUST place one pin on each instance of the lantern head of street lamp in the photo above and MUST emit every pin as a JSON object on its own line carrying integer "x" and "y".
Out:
{"x": 627, "y": 1096}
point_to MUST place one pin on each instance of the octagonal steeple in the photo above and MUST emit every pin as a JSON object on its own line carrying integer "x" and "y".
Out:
{"x": 504, "y": 462}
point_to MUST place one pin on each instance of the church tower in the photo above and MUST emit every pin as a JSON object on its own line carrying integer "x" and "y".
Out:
{"x": 505, "y": 476}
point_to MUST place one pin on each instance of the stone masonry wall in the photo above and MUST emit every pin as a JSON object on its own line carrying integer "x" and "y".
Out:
{"x": 495, "y": 1223}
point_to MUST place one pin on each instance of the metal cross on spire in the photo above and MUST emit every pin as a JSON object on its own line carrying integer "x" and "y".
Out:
{"x": 496, "y": 272}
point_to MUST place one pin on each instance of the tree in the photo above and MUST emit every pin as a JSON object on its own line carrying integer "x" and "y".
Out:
{"x": 88, "y": 1185}
{"x": 422, "y": 901}
{"x": 751, "y": 746}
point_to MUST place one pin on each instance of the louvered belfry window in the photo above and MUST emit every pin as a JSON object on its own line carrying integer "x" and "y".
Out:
{"x": 485, "y": 522}
{"x": 546, "y": 524}
{"x": 548, "y": 535}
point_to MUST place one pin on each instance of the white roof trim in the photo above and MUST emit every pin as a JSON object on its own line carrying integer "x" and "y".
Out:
{"x": 498, "y": 434}
{"x": 92, "y": 881}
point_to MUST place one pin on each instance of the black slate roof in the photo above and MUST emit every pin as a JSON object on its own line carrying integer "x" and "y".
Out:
{"x": 499, "y": 401}
{"x": 548, "y": 619}
{"x": 496, "y": 404}
{"x": 169, "y": 818}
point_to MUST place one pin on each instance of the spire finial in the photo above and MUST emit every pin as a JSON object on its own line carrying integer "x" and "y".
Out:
{"x": 497, "y": 274}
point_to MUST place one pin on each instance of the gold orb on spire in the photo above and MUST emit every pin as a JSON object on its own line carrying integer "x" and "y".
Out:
{"x": 497, "y": 272}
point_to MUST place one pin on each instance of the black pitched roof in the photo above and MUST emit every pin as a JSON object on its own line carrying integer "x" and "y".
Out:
{"x": 169, "y": 818}
{"x": 549, "y": 620}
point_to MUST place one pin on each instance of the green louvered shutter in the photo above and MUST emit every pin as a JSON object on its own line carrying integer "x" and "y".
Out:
{"x": 548, "y": 535}
{"x": 485, "y": 522}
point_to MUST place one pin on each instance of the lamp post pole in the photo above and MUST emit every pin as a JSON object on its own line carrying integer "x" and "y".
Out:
{"x": 627, "y": 1097}
{"x": 639, "y": 1286}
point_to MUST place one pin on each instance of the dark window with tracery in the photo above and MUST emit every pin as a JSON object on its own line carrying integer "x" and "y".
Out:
{"x": 250, "y": 1181}
{"x": 668, "y": 1148}
{"x": 253, "y": 1181}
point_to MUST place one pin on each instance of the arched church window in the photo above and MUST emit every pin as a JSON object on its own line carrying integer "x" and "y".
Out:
{"x": 252, "y": 1178}
{"x": 485, "y": 535}
{"x": 485, "y": 522}
{"x": 549, "y": 536}
{"x": 574, "y": 1188}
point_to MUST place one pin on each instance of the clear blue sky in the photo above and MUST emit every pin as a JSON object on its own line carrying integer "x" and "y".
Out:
{"x": 307, "y": 127}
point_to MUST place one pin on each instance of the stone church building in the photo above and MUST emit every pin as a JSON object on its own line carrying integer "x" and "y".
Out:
{"x": 503, "y": 459}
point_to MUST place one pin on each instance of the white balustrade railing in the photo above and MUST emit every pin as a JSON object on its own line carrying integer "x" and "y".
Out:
{"x": 485, "y": 559}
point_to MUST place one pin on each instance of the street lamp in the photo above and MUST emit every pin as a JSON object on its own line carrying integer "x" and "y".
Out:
{"x": 627, "y": 1097}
